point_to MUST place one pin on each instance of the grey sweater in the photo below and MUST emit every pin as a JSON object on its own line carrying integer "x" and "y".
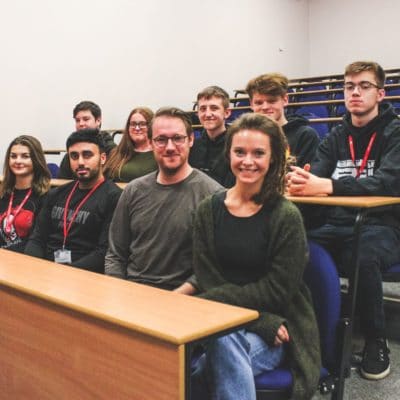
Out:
{"x": 150, "y": 238}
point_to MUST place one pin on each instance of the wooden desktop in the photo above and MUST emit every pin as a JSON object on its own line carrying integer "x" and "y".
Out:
{"x": 347, "y": 201}
{"x": 66, "y": 333}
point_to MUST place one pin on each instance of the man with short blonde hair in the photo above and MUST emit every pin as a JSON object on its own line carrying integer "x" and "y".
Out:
{"x": 268, "y": 96}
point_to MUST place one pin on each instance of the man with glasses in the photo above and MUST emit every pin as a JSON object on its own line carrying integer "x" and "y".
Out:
{"x": 360, "y": 157}
{"x": 150, "y": 238}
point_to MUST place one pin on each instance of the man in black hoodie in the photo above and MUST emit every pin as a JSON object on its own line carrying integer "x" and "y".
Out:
{"x": 360, "y": 157}
{"x": 268, "y": 95}
{"x": 207, "y": 153}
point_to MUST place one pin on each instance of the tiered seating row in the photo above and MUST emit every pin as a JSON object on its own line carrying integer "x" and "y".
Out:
{"x": 321, "y": 101}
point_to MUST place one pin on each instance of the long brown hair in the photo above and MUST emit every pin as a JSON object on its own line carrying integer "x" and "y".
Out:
{"x": 274, "y": 181}
{"x": 126, "y": 148}
{"x": 41, "y": 174}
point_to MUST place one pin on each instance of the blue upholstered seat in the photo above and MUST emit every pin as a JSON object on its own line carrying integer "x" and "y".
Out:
{"x": 323, "y": 281}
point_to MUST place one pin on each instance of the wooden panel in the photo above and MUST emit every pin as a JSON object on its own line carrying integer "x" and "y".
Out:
{"x": 346, "y": 201}
{"x": 169, "y": 316}
{"x": 48, "y": 352}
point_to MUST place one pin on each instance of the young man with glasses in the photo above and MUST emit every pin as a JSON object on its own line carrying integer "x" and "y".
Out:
{"x": 150, "y": 237}
{"x": 360, "y": 157}
{"x": 207, "y": 153}
{"x": 87, "y": 115}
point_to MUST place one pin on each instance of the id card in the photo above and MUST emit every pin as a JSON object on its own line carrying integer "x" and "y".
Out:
{"x": 62, "y": 256}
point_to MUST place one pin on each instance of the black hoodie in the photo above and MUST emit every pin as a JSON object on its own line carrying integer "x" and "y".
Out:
{"x": 303, "y": 140}
{"x": 381, "y": 176}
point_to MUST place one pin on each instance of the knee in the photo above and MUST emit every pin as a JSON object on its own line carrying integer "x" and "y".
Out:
{"x": 234, "y": 342}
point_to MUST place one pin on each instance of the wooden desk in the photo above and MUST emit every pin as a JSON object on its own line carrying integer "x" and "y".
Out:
{"x": 364, "y": 204}
{"x": 347, "y": 201}
{"x": 69, "y": 334}
{"x": 54, "y": 151}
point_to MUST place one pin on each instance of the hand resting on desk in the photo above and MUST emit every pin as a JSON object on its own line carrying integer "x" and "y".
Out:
{"x": 301, "y": 182}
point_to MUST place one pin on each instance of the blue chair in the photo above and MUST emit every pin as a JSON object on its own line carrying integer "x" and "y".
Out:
{"x": 323, "y": 281}
{"x": 393, "y": 91}
{"x": 321, "y": 111}
{"x": 322, "y": 128}
{"x": 53, "y": 168}
{"x": 312, "y": 96}
{"x": 392, "y": 274}
{"x": 340, "y": 109}
{"x": 197, "y": 132}
{"x": 236, "y": 113}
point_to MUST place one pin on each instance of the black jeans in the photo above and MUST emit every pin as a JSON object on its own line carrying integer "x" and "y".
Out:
{"x": 379, "y": 249}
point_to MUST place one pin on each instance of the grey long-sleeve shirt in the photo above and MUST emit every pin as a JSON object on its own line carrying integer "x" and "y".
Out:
{"x": 150, "y": 237}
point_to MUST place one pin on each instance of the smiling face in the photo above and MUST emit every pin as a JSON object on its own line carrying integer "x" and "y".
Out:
{"x": 20, "y": 161}
{"x": 269, "y": 105}
{"x": 250, "y": 156}
{"x": 362, "y": 102}
{"x": 212, "y": 115}
{"x": 172, "y": 158}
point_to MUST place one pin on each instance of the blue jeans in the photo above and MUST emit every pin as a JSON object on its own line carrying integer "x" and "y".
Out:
{"x": 379, "y": 249}
{"x": 226, "y": 370}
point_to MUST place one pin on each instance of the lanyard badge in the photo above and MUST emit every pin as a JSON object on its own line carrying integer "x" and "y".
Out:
{"x": 63, "y": 256}
{"x": 10, "y": 215}
{"x": 366, "y": 155}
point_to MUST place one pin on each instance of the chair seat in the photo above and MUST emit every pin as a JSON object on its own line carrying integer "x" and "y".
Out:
{"x": 277, "y": 379}
{"x": 280, "y": 379}
{"x": 392, "y": 274}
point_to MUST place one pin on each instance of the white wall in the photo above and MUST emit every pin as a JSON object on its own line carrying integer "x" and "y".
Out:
{"x": 343, "y": 31}
{"x": 124, "y": 53}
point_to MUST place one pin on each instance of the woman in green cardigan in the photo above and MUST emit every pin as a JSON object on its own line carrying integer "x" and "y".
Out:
{"x": 133, "y": 157}
{"x": 250, "y": 250}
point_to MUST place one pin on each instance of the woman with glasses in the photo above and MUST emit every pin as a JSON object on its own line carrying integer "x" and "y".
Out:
{"x": 133, "y": 157}
{"x": 26, "y": 180}
{"x": 250, "y": 251}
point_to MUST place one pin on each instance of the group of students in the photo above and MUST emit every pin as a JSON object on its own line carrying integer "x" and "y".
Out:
{"x": 208, "y": 217}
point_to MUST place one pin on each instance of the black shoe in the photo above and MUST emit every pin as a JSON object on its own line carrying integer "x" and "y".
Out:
{"x": 375, "y": 362}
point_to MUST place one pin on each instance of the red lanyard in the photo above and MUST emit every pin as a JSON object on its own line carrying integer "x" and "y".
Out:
{"x": 366, "y": 155}
{"x": 67, "y": 227}
{"x": 11, "y": 216}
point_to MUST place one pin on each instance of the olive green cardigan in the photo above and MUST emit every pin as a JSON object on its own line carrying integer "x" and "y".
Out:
{"x": 280, "y": 295}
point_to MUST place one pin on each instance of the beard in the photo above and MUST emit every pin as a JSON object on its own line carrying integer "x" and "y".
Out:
{"x": 91, "y": 176}
{"x": 170, "y": 171}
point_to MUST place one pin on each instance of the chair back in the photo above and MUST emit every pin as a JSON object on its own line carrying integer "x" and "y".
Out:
{"x": 53, "y": 168}
{"x": 323, "y": 281}
{"x": 392, "y": 274}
